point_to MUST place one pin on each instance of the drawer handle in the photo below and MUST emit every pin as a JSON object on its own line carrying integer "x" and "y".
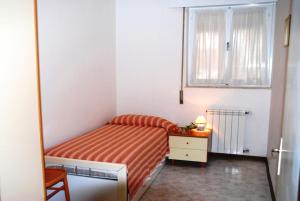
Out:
{"x": 187, "y": 142}
{"x": 186, "y": 154}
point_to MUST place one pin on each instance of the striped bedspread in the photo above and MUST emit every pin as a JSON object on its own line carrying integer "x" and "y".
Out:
{"x": 140, "y": 148}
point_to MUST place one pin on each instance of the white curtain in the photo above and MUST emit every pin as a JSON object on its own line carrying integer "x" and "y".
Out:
{"x": 208, "y": 58}
{"x": 248, "y": 55}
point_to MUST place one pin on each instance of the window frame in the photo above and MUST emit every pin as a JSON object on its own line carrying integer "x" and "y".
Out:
{"x": 271, "y": 8}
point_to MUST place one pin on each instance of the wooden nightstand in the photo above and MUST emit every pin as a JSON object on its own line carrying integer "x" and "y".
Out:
{"x": 190, "y": 147}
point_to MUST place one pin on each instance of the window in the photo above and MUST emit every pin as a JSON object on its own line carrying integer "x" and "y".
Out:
{"x": 230, "y": 46}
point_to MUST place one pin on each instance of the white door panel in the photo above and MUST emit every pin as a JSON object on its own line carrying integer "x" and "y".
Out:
{"x": 288, "y": 179}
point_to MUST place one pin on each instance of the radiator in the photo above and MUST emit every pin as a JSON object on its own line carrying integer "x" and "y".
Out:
{"x": 228, "y": 128}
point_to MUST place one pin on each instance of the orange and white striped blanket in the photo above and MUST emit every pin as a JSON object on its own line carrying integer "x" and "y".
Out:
{"x": 141, "y": 148}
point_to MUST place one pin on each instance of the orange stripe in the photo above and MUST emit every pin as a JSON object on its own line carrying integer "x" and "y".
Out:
{"x": 142, "y": 120}
{"x": 77, "y": 139}
{"x": 97, "y": 143}
{"x": 111, "y": 142}
{"x": 135, "y": 179}
{"x": 122, "y": 150}
{"x": 84, "y": 140}
{"x": 130, "y": 150}
{"x": 75, "y": 147}
{"x": 140, "y": 163}
{"x": 114, "y": 148}
{"x": 149, "y": 150}
{"x": 117, "y": 146}
{"x": 101, "y": 143}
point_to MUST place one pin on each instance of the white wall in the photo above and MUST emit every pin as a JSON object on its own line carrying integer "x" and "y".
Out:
{"x": 148, "y": 73}
{"x": 77, "y": 54}
{"x": 20, "y": 148}
{"x": 278, "y": 89}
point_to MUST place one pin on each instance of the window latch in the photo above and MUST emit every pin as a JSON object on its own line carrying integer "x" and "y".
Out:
{"x": 227, "y": 46}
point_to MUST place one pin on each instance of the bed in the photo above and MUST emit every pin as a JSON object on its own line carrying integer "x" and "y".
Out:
{"x": 128, "y": 149}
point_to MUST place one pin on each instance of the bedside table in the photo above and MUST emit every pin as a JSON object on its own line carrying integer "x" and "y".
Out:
{"x": 191, "y": 146}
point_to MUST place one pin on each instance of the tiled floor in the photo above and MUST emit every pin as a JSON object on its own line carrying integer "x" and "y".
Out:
{"x": 220, "y": 180}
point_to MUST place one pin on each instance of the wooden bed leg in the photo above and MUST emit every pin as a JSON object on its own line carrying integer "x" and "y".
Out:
{"x": 173, "y": 162}
{"x": 122, "y": 185}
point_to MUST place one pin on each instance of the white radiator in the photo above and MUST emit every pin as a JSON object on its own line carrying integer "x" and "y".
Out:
{"x": 228, "y": 128}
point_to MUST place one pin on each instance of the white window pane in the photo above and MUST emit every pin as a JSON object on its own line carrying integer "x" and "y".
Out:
{"x": 248, "y": 61}
{"x": 207, "y": 46}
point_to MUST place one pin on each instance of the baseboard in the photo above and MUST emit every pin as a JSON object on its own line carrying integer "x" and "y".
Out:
{"x": 236, "y": 157}
{"x": 270, "y": 181}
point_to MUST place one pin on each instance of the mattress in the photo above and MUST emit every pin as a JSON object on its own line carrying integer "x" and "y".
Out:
{"x": 140, "y": 148}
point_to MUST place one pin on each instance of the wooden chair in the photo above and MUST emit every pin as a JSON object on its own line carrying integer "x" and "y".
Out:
{"x": 54, "y": 176}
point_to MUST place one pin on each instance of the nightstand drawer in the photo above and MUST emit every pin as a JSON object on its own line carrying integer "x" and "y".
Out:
{"x": 188, "y": 142}
{"x": 188, "y": 155}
